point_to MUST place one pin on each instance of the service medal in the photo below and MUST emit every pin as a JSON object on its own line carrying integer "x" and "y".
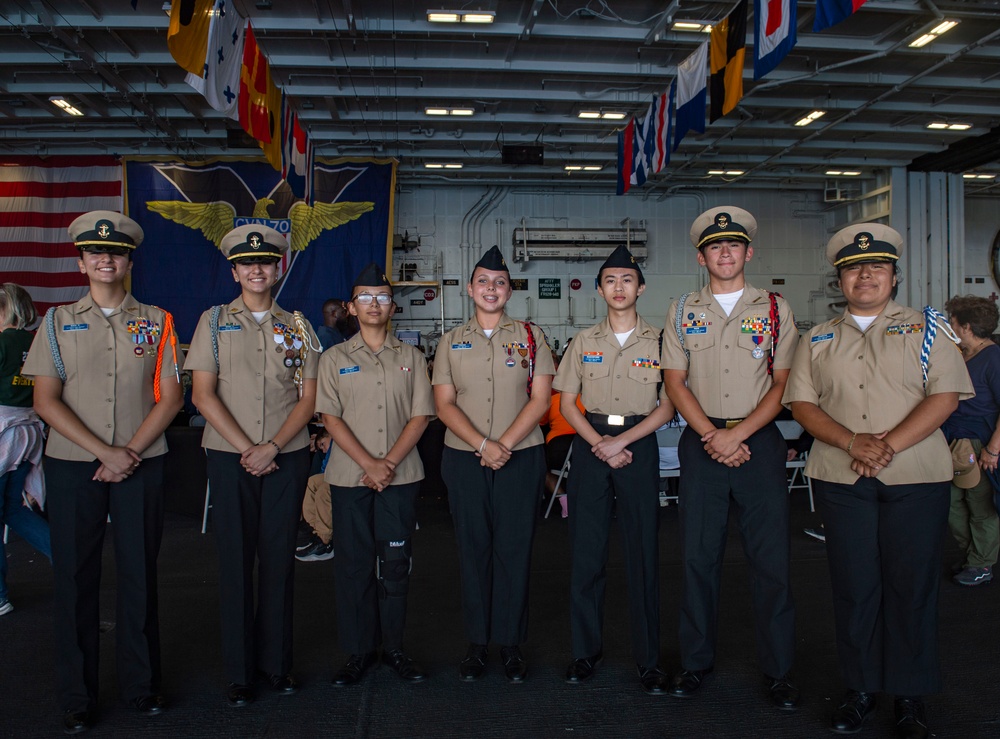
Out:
{"x": 289, "y": 362}
{"x": 524, "y": 363}
{"x": 139, "y": 351}
{"x": 757, "y": 353}
{"x": 510, "y": 362}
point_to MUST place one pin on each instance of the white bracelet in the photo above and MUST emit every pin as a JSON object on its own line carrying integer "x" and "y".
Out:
{"x": 483, "y": 445}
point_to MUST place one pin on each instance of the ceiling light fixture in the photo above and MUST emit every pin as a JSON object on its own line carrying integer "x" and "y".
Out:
{"x": 461, "y": 16}
{"x": 61, "y": 103}
{"x": 814, "y": 116}
{"x": 716, "y": 171}
{"x": 945, "y": 126}
{"x": 734, "y": 172}
{"x": 932, "y": 34}
{"x": 842, "y": 173}
{"x": 608, "y": 115}
{"x": 692, "y": 27}
{"x": 437, "y": 165}
{"x": 583, "y": 168}
{"x": 449, "y": 111}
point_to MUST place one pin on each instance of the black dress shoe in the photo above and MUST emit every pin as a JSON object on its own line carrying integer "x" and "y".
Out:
{"x": 853, "y": 711}
{"x": 910, "y": 720}
{"x": 354, "y": 669}
{"x": 653, "y": 680}
{"x": 148, "y": 705}
{"x": 514, "y": 666}
{"x": 284, "y": 684}
{"x": 240, "y": 695}
{"x": 784, "y": 696}
{"x": 405, "y": 667}
{"x": 687, "y": 682}
{"x": 581, "y": 670}
{"x": 77, "y": 722}
{"x": 474, "y": 665}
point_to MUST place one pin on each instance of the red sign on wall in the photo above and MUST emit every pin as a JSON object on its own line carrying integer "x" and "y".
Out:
{"x": 429, "y": 294}
{"x": 575, "y": 284}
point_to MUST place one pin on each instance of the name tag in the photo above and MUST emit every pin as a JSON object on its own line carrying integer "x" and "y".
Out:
{"x": 593, "y": 357}
{"x": 696, "y": 330}
{"x": 464, "y": 345}
{"x": 76, "y": 327}
{"x": 820, "y": 337}
{"x": 349, "y": 370}
{"x": 230, "y": 327}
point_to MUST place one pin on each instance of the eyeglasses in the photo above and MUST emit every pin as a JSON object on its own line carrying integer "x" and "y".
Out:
{"x": 367, "y": 298}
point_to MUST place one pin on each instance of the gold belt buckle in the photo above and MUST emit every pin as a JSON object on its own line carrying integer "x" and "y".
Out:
{"x": 616, "y": 420}
{"x": 733, "y": 423}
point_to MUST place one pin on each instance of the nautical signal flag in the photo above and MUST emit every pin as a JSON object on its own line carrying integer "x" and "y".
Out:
{"x": 187, "y": 35}
{"x": 831, "y": 12}
{"x": 773, "y": 33}
{"x": 626, "y": 142}
{"x": 221, "y": 81}
{"x": 728, "y": 44}
{"x": 256, "y": 94}
{"x": 692, "y": 74}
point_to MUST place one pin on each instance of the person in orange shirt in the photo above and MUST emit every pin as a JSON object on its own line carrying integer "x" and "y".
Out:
{"x": 557, "y": 443}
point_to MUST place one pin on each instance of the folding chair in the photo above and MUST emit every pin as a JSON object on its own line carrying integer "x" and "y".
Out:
{"x": 668, "y": 437}
{"x": 562, "y": 472}
{"x": 790, "y": 431}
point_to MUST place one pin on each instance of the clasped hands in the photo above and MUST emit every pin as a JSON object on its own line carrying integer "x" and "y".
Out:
{"x": 726, "y": 447}
{"x": 378, "y": 474}
{"x": 612, "y": 450}
{"x": 870, "y": 454}
{"x": 258, "y": 460}
{"x": 117, "y": 463}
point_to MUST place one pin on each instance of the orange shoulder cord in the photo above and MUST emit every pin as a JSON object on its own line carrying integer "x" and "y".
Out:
{"x": 168, "y": 332}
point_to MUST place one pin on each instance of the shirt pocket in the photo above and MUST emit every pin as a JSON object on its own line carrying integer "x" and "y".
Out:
{"x": 753, "y": 353}
{"x": 701, "y": 362}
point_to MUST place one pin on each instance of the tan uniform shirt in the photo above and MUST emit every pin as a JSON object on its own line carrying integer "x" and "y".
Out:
{"x": 376, "y": 396}
{"x": 110, "y": 364}
{"x": 869, "y": 382}
{"x": 490, "y": 375}
{"x": 609, "y": 378}
{"x": 727, "y": 372}
{"x": 254, "y": 382}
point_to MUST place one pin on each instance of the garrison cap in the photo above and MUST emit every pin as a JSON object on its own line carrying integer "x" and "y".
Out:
{"x": 372, "y": 276}
{"x": 253, "y": 242}
{"x": 864, "y": 242}
{"x": 726, "y": 222}
{"x": 492, "y": 260}
{"x": 621, "y": 258}
{"x": 104, "y": 231}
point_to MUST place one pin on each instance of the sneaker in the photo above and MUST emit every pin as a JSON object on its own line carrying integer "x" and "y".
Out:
{"x": 317, "y": 551}
{"x": 5, "y": 607}
{"x": 817, "y": 534}
{"x": 312, "y": 542}
{"x": 972, "y": 576}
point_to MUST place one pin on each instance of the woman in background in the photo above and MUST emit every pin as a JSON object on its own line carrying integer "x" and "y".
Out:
{"x": 21, "y": 433}
{"x": 973, "y": 517}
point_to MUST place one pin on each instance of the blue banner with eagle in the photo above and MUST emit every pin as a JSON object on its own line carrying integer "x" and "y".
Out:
{"x": 186, "y": 208}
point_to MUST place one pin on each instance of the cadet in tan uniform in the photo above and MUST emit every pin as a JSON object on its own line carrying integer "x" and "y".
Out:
{"x": 106, "y": 382}
{"x": 615, "y": 367}
{"x": 726, "y": 379}
{"x": 254, "y": 368}
{"x": 868, "y": 388}
{"x": 491, "y": 398}
{"x": 376, "y": 401}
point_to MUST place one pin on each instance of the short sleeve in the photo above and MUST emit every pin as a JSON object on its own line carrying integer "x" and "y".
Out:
{"x": 442, "y": 361}
{"x": 672, "y": 356}
{"x": 543, "y": 355}
{"x": 799, "y": 387}
{"x": 200, "y": 356}
{"x": 570, "y": 373}
{"x": 39, "y": 362}
{"x": 946, "y": 370}
{"x": 327, "y": 389}
{"x": 422, "y": 402}
{"x": 788, "y": 338}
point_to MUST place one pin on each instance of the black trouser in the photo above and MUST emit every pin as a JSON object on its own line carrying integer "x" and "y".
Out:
{"x": 256, "y": 519}
{"x": 494, "y": 515}
{"x": 78, "y": 509}
{"x": 592, "y": 489}
{"x": 759, "y": 490}
{"x": 371, "y": 542}
{"x": 883, "y": 543}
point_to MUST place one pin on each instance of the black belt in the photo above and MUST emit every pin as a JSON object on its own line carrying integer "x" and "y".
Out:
{"x": 725, "y": 423}
{"x": 626, "y": 421}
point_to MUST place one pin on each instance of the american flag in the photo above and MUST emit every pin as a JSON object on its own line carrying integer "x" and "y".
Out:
{"x": 39, "y": 198}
